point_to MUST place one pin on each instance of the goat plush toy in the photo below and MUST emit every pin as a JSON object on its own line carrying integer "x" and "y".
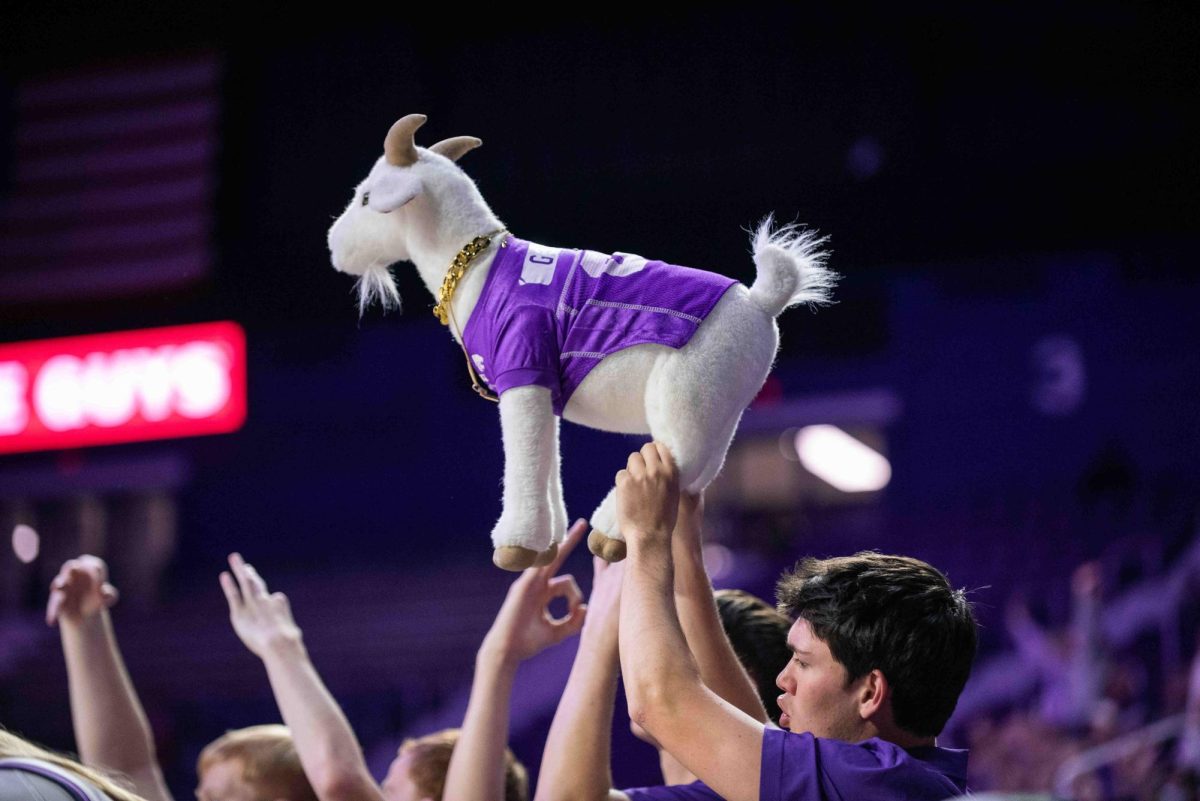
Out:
{"x": 612, "y": 341}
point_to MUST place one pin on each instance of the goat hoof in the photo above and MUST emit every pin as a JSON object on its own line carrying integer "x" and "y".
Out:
{"x": 547, "y": 556}
{"x": 514, "y": 557}
{"x": 596, "y": 542}
{"x": 607, "y": 548}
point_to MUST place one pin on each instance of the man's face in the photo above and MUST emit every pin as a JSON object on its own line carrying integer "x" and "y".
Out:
{"x": 398, "y": 785}
{"x": 222, "y": 781}
{"x": 815, "y": 696}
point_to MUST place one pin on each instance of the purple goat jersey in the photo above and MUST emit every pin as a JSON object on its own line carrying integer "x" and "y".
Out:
{"x": 547, "y": 316}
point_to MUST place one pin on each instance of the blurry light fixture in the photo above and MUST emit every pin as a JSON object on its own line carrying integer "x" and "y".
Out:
{"x": 840, "y": 460}
{"x": 25, "y": 543}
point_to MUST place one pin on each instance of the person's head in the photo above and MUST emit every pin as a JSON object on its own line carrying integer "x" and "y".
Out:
{"x": 881, "y": 646}
{"x": 14, "y": 747}
{"x": 258, "y": 763}
{"x": 418, "y": 773}
{"x": 758, "y": 633}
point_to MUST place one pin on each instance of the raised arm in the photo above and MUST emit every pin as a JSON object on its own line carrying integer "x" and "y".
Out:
{"x": 575, "y": 763}
{"x": 716, "y": 741}
{"x": 523, "y": 627}
{"x": 111, "y": 729}
{"x": 329, "y": 751}
{"x": 720, "y": 669}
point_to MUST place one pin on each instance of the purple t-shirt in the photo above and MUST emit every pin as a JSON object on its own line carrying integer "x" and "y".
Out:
{"x": 547, "y": 316}
{"x": 801, "y": 767}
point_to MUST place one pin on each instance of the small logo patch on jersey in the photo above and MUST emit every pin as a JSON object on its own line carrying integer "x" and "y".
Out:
{"x": 475, "y": 357}
{"x": 539, "y": 265}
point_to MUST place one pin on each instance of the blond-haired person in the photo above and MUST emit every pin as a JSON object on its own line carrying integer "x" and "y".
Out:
{"x": 30, "y": 771}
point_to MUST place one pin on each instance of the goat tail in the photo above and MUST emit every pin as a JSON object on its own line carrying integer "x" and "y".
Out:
{"x": 791, "y": 268}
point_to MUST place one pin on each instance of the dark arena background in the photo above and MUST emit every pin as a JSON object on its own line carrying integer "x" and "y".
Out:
{"x": 1010, "y": 194}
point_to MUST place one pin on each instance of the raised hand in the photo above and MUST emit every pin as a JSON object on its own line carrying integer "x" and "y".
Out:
{"x": 260, "y": 618}
{"x": 524, "y": 625}
{"x": 648, "y": 494}
{"x": 80, "y": 591}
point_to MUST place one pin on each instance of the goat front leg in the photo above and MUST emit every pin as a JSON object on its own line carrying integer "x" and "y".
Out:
{"x": 525, "y": 530}
{"x": 558, "y": 507}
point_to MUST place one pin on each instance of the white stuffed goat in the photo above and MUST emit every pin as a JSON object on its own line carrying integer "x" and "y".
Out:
{"x": 614, "y": 342}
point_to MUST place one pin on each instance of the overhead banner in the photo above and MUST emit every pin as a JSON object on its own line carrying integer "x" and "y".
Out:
{"x": 156, "y": 383}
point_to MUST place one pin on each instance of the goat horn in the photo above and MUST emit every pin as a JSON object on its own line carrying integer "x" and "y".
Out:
{"x": 398, "y": 147}
{"x": 456, "y": 146}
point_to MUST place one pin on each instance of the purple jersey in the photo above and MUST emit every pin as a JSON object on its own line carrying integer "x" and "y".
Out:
{"x": 547, "y": 316}
{"x": 801, "y": 767}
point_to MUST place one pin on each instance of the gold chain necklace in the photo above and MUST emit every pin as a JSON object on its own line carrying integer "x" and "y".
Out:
{"x": 445, "y": 315}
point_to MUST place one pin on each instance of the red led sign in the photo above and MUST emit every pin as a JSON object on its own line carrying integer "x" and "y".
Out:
{"x": 157, "y": 383}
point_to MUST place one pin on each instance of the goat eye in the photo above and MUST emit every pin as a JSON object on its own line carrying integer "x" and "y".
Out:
{"x": 366, "y": 198}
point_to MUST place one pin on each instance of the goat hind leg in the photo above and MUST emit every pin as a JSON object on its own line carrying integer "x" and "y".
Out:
{"x": 605, "y": 540}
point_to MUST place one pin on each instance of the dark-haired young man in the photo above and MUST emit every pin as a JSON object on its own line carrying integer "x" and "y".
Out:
{"x": 882, "y": 646}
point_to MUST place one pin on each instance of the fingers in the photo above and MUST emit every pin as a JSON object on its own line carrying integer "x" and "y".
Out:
{"x": 73, "y": 576}
{"x": 658, "y": 459}
{"x": 654, "y": 458}
{"x": 94, "y": 566}
{"x": 76, "y": 579}
{"x": 64, "y": 574}
{"x": 58, "y": 593}
{"x": 54, "y": 606}
{"x": 109, "y": 594}
{"x": 248, "y": 580}
{"x": 665, "y": 457}
{"x": 564, "y": 587}
{"x": 238, "y": 566}
{"x": 258, "y": 586}
{"x": 651, "y": 457}
{"x": 281, "y": 600}
{"x": 572, "y": 622}
{"x": 574, "y": 536}
{"x": 232, "y": 595}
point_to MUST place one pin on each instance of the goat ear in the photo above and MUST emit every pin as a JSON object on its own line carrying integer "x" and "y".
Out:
{"x": 393, "y": 189}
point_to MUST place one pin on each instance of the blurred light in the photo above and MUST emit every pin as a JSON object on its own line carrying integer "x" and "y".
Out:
{"x": 25, "y": 543}
{"x": 841, "y": 460}
{"x": 718, "y": 560}
{"x": 14, "y": 415}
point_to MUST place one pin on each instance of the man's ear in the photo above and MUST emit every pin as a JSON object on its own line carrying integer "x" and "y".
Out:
{"x": 873, "y": 694}
{"x": 392, "y": 189}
